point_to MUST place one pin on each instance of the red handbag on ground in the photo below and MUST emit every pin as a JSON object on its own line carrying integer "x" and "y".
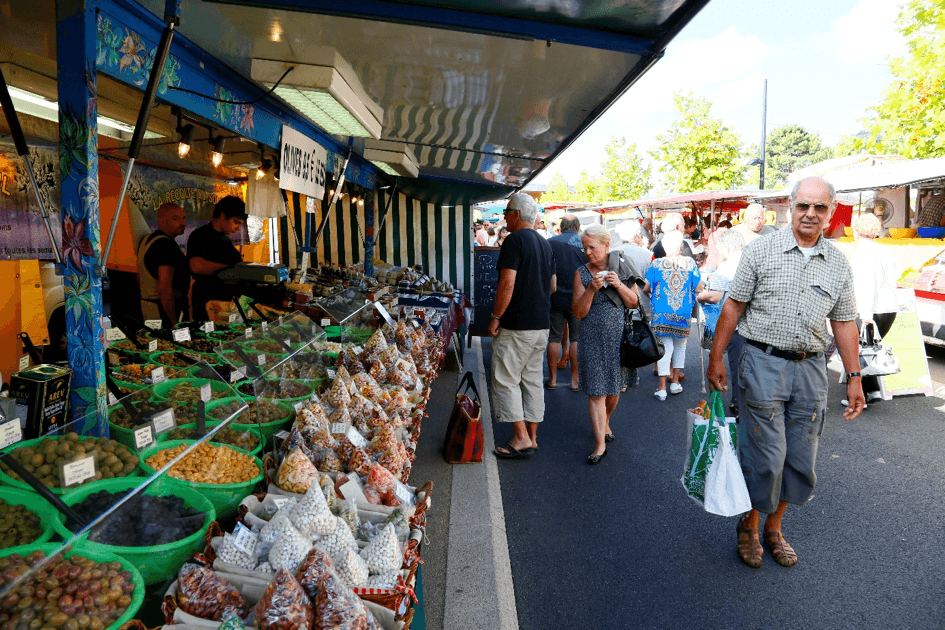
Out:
{"x": 464, "y": 442}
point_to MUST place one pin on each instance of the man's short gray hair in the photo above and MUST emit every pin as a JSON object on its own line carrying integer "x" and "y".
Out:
{"x": 672, "y": 243}
{"x": 597, "y": 232}
{"x": 629, "y": 230}
{"x": 570, "y": 222}
{"x": 672, "y": 222}
{"x": 731, "y": 242}
{"x": 797, "y": 186}
{"x": 526, "y": 206}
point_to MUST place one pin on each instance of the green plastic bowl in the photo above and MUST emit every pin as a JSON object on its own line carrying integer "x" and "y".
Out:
{"x": 163, "y": 391}
{"x": 7, "y": 480}
{"x": 82, "y": 549}
{"x": 269, "y": 429}
{"x": 35, "y": 504}
{"x": 252, "y": 428}
{"x": 225, "y": 497}
{"x": 125, "y": 436}
{"x": 156, "y": 562}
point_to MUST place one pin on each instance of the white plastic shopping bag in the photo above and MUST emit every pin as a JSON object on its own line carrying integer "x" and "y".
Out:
{"x": 725, "y": 491}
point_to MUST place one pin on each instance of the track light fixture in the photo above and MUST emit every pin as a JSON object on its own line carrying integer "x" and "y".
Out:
{"x": 218, "y": 142}
{"x": 265, "y": 164}
{"x": 186, "y": 133}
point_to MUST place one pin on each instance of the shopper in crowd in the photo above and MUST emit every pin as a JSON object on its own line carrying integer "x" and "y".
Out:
{"x": 482, "y": 237}
{"x": 874, "y": 283}
{"x": 712, "y": 259}
{"x": 635, "y": 245}
{"x": 564, "y": 324}
{"x": 503, "y": 233}
{"x": 209, "y": 250}
{"x": 648, "y": 228}
{"x": 672, "y": 222}
{"x": 672, "y": 283}
{"x": 753, "y": 225}
{"x": 163, "y": 272}
{"x": 786, "y": 286}
{"x": 492, "y": 237}
{"x": 933, "y": 208}
{"x": 520, "y": 322}
{"x": 730, "y": 244}
{"x": 603, "y": 289}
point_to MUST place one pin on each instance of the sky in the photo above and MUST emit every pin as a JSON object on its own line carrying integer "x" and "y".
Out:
{"x": 824, "y": 61}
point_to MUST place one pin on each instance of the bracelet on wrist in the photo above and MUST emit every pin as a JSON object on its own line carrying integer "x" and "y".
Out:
{"x": 496, "y": 317}
{"x": 853, "y": 375}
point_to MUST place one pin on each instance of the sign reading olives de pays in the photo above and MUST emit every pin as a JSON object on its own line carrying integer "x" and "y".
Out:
{"x": 303, "y": 164}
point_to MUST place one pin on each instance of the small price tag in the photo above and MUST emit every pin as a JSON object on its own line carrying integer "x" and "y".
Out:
{"x": 113, "y": 358}
{"x": 358, "y": 349}
{"x": 24, "y": 362}
{"x": 233, "y": 318}
{"x": 114, "y": 334}
{"x": 181, "y": 334}
{"x": 205, "y": 393}
{"x": 236, "y": 375}
{"x": 163, "y": 422}
{"x": 153, "y": 324}
{"x": 249, "y": 332}
{"x": 143, "y": 436}
{"x": 261, "y": 358}
{"x": 331, "y": 373}
{"x": 356, "y": 438}
{"x": 152, "y": 345}
{"x": 297, "y": 406}
{"x": 10, "y": 433}
{"x": 207, "y": 327}
{"x": 280, "y": 501}
{"x": 112, "y": 400}
{"x": 415, "y": 323}
{"x": 157, "y": 376}
{"x": 244, "y": 539}
{"x": 403, "y": 493}
{"x": 265, "y": 325}
{"x": 281, "y": 435}
{"x": 383, "y": 311}
{"x": 77, "y": 472}
{"x": 325, "y": 322}
{"x": 339, "y": 428}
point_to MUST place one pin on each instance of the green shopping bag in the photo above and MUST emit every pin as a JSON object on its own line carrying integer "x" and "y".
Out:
{"x": 703, "y": 444}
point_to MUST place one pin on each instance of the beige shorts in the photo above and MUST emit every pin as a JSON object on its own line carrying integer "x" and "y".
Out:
{"x": 517, "y": 372}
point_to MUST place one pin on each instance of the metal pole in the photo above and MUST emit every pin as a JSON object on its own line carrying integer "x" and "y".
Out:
{"x": 19, "y": 140}
{"x": 390, "y": 200}
{"x": 144, "y": 114}
{"x": 334, "y": 198}
{"x": 764, "y": 124}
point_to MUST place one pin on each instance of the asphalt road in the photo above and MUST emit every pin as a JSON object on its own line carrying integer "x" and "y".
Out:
{"x": 620, "y": 545}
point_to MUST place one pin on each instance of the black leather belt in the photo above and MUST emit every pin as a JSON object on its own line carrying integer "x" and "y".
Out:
{"x": 790, "y": 355}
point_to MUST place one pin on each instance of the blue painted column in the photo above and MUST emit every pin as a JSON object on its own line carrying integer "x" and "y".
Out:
{"x": 81, "y": 247}
{"x": 369, "y": 221}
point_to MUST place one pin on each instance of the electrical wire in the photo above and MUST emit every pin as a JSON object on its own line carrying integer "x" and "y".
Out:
{"x": 223, "y": 100}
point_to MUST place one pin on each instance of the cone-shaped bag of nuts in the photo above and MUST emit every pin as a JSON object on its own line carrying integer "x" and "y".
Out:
{"x": 296, "y": 474}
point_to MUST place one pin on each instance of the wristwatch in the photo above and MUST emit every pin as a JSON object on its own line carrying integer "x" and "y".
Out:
{"x": 497, "y": 318}
{"x": 852, "y": 374}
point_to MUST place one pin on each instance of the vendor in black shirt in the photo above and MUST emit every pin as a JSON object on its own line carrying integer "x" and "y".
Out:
{"x": 209, "y": 249}
{"x": 163, "y": 272}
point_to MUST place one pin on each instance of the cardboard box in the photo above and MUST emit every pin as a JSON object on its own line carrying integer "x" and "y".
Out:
{"x": 42, "y": 395}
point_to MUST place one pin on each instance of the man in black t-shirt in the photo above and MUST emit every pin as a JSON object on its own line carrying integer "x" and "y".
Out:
{"x": 209, "y": 249}
{"x": 520, "y": 321}
{"x": 163, "y": 273}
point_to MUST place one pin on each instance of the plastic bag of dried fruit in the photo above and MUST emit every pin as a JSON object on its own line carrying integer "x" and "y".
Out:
{"x": 296, "y": 473}
{"x": 284, "y": 605}
{"x": 202, "y": 593}
{"x": 336, "y": 605}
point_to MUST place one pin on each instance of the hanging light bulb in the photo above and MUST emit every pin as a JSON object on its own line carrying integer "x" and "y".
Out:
{"x": 217, "y": 157}
{"x": 186, "y": 140}
{"x": 361, "y": 201}
{"x": 264, "y": 168}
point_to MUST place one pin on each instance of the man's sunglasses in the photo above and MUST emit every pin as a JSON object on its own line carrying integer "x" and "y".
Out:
{"x": 819, "y": 207}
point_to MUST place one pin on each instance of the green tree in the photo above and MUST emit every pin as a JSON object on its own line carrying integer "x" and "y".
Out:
{"x": 623, "y": 174}
{"x": 788, "y": 149}
{"x": 851, "y": 145}
{"x": 910, "y": 121}
{"x": 587, "y": 188}
{"x": 557, "y": 189}
{"x": 698, "y": 152}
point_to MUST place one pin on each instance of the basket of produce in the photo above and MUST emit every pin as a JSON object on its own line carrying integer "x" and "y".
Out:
{"x": 223, "y": 474}
{"x": 122, "y": 421}
{"x": 118, "y": 588}
{"x": 242, "y": 436}
{"x": 188, "y": 390}
{"x": 43, "y": 456}
{"x": 157, "y": 530}
{"x": 25, "y": 518}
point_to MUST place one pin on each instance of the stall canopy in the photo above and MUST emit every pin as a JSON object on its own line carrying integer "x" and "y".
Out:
{"x": 887, "y": 175}
{"x": 484, "y": 93}
{"x": 737, "y": 198}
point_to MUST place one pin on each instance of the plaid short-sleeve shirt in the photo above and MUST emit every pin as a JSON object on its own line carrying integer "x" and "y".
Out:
{"x": 789, "y": 297}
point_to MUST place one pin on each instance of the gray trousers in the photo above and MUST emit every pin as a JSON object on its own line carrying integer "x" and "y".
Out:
{"x": 782, "y": 405}
{"x": 734, "y": 353}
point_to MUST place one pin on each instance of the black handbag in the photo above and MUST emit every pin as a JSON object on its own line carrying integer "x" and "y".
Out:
{"x": 638, "y": 345}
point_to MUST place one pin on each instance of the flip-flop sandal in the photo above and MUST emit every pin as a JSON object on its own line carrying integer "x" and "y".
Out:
{"x": 547, "y": 386}
{"x": 576, "y": 389}
{"x": 512, "y": 453}
{"x": 530, "y": 449}
{"x": 781, "y": 551}
{"x": 749, "y": 547}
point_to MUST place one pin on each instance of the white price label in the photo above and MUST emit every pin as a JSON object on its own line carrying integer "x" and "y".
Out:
{"x": 233, "y": 318}
{"x": 325, "y": 322}
{"x": 152, "y": 345}
{"x": 207, "y": 327}
{"x": 415, "y": 323}
{"x": 112, "y": 399}
{"x": 153, "y": 324}
{"x": 261, "y": 359}
{"x": 265, "y": 325}
{"x": 113, "y": 358}
{"x": 358, "y": 349}
{"x": 164, "y": 421}
{"x": 249, "y": 332}
{"x": 144, "y": 436}
{"x": 280, "y": 501}
{"x": 181, "y": 334}
{"x": 157, "y": 376}
{"x": 331, "y": 373}
{"x": 339, "y": 428}
{"x": 114, "y": 334}
{"x": 297, "y": 406}
{"x": 403, "y": 493}
{"x": 24, "y": 362}
{"x": 74, "y": 473}
{"x": 10, "y": 433}
{"x": 205, "y": 393}
{"x": 383, "y": 311}
{"x": 356, "y": 438}
{"x": 244, "y": 539}
{"x": 236, "y": 375}
{"x": 282, "y": 436}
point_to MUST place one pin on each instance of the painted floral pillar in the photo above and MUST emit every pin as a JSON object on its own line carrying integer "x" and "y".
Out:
{"x": 369, "y": 215}
{"x": 81, "y": 246}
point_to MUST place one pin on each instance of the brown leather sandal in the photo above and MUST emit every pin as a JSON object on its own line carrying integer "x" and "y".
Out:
{"x": 781, "y": 551}
{"x": 749, "y": 547}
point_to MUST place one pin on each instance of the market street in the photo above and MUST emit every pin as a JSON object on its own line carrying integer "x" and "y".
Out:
{"x": 620, "y": 545}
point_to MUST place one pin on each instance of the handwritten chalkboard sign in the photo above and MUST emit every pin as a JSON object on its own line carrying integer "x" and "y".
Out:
{"x": 485, "y": 283}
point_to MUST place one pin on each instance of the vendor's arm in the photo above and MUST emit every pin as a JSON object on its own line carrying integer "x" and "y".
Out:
{"x": 707, "y": 296}
{"x": 204, "y": 267}
{"x": 165, "y": 289}
{"x": 732, "y": 313}
{"x": 503, "y": 296}
{"x": 848, "y": 345}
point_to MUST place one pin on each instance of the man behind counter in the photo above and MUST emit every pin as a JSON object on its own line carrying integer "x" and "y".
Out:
{"x": 163, "y": 274}
{"x": 209, "y": 249}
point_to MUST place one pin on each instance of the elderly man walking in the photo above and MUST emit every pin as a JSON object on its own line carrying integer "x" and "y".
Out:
{"x": 754, "y": 224}
{"x": 520, "y": 321}
{"x": 568, "y": 257}
{"x": 785, "y": 289}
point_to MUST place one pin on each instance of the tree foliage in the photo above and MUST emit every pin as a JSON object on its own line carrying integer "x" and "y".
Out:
{"x": 788, "y": 149}
{"x": 910, "y": 121}
{"x": 557, "y": 189}
{"x": 698, "y": 152}
{"x": 623, "y": 176}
